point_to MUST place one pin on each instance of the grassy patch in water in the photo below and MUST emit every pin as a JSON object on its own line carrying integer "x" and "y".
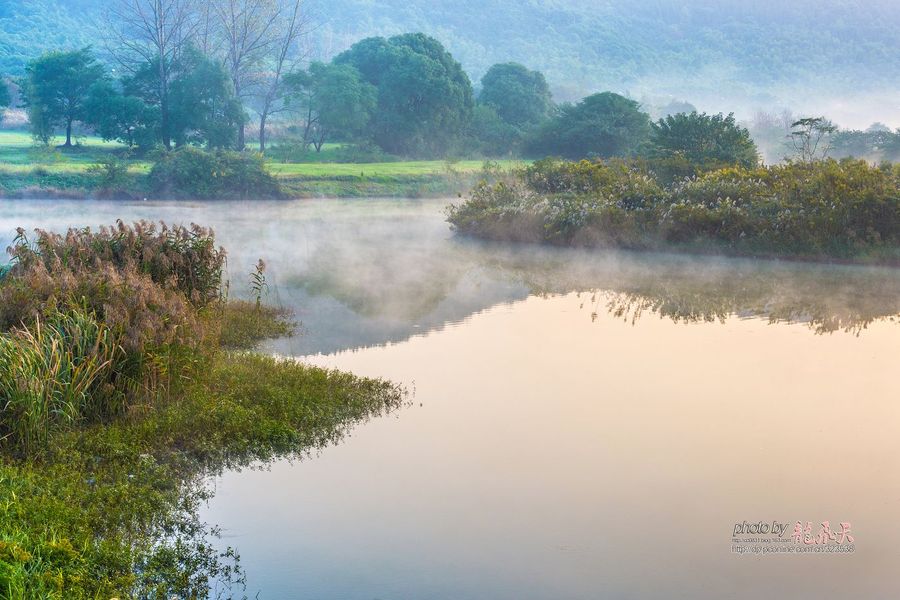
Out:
{"x": 246, "y": 323}
{"x": 111, "y": 510}
{"x": 118, "y": 397}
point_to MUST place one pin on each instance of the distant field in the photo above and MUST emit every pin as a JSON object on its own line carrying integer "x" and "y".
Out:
{"x": 388, "y": 169}
{"x": 24, "y": 165}
{"x": 18, "y": 154}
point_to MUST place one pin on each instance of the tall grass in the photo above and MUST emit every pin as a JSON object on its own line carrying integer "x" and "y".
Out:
{"x": 55, "y": 375}
{"x": 99, "y": 323}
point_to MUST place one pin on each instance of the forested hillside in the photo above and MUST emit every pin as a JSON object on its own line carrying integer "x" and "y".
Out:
{"x": 712, "y": 52}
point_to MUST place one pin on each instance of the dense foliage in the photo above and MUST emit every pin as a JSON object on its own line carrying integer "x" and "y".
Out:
{"x": 513, "y": 102}
{"x": 520, "y": 96}
{"x": 334, "y": 100}
{"x": 55, "y": 91}
{"x": 425, "y": 99}
{"x": 194, "y": 173}
{"x": 690, "y": 143}
{"x": 845, "y": 209}
{"x": 602, "y": 125}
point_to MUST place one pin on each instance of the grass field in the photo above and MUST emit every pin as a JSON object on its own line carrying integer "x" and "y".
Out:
{"x": 386, "y": 169}
{"x": 23, "y": 164}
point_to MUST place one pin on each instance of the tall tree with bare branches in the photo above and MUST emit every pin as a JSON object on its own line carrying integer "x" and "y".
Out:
{"x": 153, "y": 32}
{"x": 283, "y": 55}
{"x": 249, "y": 29}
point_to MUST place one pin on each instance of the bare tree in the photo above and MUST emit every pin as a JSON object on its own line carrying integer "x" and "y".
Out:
{"x": 283, "y": 57}
{"x": 249, "y": 30}
{"x": 209, "y": 34}
{"x": 812, "y": 137}
{"x": 152, "y": 32}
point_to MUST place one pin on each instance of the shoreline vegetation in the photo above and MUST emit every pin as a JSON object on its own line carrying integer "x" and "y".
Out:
{"x": 103, "y": 170}
{"x": 823, "y": 210}
{"x": 127, "y": 379}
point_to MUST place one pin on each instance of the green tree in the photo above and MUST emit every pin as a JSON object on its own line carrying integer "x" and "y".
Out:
{"x": 704, "y": 141}
{"x": 116, "y": 116}
{"x": 425, "y": 99}
{"x": 335, "y": 101}
{"x": 603, "y": 125}
{"x": 56, "y": 88}
{"x": 202, "y": 106}
{"x": 491, "y": 135}
{"x": 812, "y": 138}
{"x": 520, "y": 97}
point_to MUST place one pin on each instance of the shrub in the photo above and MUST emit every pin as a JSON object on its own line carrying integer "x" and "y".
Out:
{"x": 111, "y": 172}
{"x": 194, "y": 173}
{"x": 826, "y": 208}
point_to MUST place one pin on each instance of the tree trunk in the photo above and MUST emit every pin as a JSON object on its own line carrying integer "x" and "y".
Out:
{"x": 164, "y": 104}
{"x": 242, "y": 136}
{"x": 262, "y": 131}
{"x": 68, "y": 133}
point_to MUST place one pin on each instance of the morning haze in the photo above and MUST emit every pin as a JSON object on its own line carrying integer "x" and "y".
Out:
{"x": 454, "y": 300}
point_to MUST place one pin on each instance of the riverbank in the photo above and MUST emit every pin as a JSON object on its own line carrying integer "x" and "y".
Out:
{"x": 127, "y": 381}
{"x": 27, "y": 171}
{"x": 842, "y": 211}
{"x": 40, "y": 182}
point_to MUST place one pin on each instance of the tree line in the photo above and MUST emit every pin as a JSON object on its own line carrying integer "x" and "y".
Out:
{"x": 184, "y": 72}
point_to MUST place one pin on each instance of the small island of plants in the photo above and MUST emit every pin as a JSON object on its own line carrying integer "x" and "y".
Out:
{"x": 124, "y": 380}
{"x": 821, "y": 209}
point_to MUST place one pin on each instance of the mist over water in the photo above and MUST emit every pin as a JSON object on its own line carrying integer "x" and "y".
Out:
{"x": 584, "y": 424}
{"x": 367, "y": 272}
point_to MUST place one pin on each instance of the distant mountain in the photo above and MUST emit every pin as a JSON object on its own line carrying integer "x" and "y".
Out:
{"x": 839, "y": 56}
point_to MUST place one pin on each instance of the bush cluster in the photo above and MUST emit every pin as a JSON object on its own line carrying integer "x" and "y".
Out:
{"x": 194, "y": 173}
{"x": 842, "y": 209}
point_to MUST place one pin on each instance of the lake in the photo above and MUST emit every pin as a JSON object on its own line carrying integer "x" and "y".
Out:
{"x": 581, "y": 424}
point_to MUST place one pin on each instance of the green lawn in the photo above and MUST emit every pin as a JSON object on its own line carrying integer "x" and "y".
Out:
{"x": 386, "y": 169}
{"x": 25, "y": 165}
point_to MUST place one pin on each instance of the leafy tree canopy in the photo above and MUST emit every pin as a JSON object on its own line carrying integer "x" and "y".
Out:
{"x": 708, "y": 141}
{"x": 520, "y": 97}
{"x": 125, "y": 118}
{"x": 203, "y": 107}
{"x": 335, "y": 101}
{"x": 55, "y": 90}
{"x": 425, "y": 99}
{"x": 602, "y": 125}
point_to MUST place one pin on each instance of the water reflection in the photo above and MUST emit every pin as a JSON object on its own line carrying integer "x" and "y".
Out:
{"x": 547, "y": 456}
{"x": 408, "y": 289}
{"x": 373, "y": 272}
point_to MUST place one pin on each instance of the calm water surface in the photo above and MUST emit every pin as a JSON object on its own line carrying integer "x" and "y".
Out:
{"x": 583, "y": 424}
